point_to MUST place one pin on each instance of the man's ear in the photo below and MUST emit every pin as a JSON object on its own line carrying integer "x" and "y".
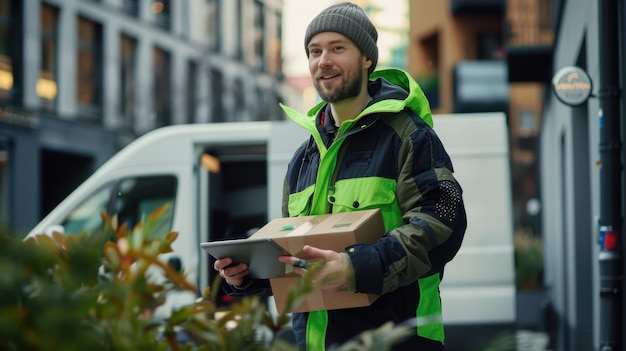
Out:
{"x": 367, "y": 62}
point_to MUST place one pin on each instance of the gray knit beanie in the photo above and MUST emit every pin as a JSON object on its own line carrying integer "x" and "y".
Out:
{"x": 350, "y": 20}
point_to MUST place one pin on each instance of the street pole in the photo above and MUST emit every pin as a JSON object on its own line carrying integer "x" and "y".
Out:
{"x": 610, "y": 257}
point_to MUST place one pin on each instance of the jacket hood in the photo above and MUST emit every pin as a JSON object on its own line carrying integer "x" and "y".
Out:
{"x": 392, "y": 90}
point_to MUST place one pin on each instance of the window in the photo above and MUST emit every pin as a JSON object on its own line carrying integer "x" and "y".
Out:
{"x": 89, "y": 66}
{"x": 274, "y": 56}
{"x": 526, "y": 120}
{"x": 136, "y": 198}
{"x": 161, "y": 10}
{"x": 131, "y": 7}
{"x": 131, "y": 201}
{"x": 7, "y": 40}
{"x": 239, "y": 31}
{"x": 47, "y": 82}
{"x": 490, "y": 46}
{"x": 217, "y": 107}
{"x": 238, "y": 98}
{"x": 265, "y": 102}
{"x": 213, "y": 25}
{"x": 192, "y": 71}
{"x": 261, "y": 103}
{"x": 161, "y": 90}
{"x": 5, "y": 188}
{"x": 259, "y": 35}
{"x": 429, "y": 79}
{"x": 86, "y": 216}
{"x": 128, "y": 66}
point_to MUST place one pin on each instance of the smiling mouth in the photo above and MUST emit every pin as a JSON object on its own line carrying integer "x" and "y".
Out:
{"x": 328, "y": 76}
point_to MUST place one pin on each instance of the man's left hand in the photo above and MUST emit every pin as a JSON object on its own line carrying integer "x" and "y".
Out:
{"x": 333, "y": 270}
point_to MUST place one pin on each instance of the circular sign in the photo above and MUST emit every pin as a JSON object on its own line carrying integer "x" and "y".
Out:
{"x": 572, "y": 85}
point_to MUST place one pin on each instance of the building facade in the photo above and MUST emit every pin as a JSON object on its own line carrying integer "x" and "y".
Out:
{"x": 560, "y": 155}
{"x": 460, "y": 52}
{"x": 577, "y": 200}
{"x": 80, "y": 79}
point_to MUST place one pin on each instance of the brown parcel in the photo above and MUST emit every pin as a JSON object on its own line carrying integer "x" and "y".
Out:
{"x": 331, "y": 232}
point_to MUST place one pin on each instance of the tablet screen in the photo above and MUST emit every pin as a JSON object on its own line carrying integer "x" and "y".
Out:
{"x": 260, "y": 254}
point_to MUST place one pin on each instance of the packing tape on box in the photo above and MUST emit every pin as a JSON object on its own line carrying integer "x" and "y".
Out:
{"x": 301, "y": 229}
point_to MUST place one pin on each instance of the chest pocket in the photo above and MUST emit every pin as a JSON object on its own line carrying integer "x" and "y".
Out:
{"x": 367, "y": 193}
{"x": 300, "y": 202}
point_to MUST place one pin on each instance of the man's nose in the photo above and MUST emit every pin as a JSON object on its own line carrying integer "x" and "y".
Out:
{"x": 325, "y": 60}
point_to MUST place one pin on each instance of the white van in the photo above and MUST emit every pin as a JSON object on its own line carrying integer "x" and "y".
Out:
{"x": 223, "y": 180}
{"x": 478, "y": 289}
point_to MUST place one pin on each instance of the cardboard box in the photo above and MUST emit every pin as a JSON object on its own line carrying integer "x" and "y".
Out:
{"x": 331, "y": 232}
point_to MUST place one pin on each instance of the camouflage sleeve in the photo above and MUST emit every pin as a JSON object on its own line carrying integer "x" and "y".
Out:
{"x": 433, "y": 220}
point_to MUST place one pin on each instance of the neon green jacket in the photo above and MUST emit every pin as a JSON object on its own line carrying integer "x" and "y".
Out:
{"x": 389, "y": 158}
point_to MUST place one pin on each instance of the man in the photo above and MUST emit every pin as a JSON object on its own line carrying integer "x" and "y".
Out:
{"x": 371, "y": 146}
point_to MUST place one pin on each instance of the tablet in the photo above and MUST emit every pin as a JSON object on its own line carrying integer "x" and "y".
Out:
{"x": 260, "y": 254}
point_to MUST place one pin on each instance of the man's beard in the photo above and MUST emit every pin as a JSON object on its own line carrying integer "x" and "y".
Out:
{"x": 351, "y": 88}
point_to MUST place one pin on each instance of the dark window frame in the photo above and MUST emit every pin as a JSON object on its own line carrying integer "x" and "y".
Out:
{"x": 162, "y": 87}
{"x": 260, "y": 52}
{"x": 89, "y": 74}
{"x": 214, "y": 25}
{"x": 128, "y": 80}
{"x": 192, "y": 81}
{"x": 47, "y": 82}
{"x": 10, "y": 48}
{"x": 162, "y": 12}
{"x": 216, "y": 98}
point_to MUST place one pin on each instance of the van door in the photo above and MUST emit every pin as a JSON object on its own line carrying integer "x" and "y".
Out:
{"x": 240, "y": 187}
{"x": 233, "y": 198}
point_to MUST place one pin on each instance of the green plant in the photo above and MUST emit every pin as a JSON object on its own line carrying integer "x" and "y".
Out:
{"x": 95, "y": 291}
{"x": 528, "y": 261}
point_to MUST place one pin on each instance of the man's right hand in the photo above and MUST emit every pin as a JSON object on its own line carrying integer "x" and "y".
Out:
{"x": 233, "y": 274}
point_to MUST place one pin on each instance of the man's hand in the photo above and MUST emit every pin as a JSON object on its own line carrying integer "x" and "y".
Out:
{"x": 333, "y": 270}
{"x": 232, "y": 274}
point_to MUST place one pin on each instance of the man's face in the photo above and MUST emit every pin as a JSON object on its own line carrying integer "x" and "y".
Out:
{"x": 337, "y": 66}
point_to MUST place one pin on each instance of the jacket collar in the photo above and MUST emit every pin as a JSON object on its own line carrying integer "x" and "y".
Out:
{"x": 392, "y": 90}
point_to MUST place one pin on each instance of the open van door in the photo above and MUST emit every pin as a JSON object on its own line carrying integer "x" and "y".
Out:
{"x": 240, "y": 186}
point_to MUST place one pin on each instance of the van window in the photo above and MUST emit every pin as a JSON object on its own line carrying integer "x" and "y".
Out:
{"x": 86, "y": 216}
{"x": 137, "y": 198}
{"x": 131, "y": 200}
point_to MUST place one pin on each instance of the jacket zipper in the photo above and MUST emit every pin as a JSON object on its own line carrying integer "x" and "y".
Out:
{"x": 339, "y": 159}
